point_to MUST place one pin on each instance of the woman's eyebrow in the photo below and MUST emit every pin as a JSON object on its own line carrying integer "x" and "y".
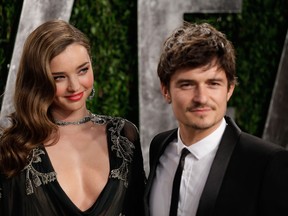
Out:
{"x": 61, "y": 72}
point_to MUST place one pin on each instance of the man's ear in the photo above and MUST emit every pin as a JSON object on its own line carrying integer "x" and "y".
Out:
{"x": 166, "y": 93}
{"x": 230, "y": 91}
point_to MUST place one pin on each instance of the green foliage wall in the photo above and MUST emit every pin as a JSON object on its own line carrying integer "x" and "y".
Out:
{"x": 111, "y": 26}
{"x": 10, "y": 11}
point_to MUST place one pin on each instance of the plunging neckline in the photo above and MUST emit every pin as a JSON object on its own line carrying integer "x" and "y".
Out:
{"x": 61, "y": 193}
{"x": 35, "y": 191}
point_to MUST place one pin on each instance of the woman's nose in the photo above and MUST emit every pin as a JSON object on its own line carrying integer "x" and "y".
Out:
{"x": 74, "y": 84}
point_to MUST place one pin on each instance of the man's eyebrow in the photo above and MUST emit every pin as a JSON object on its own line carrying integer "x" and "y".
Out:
{"x": 185, "y": 80}
{"x": 216, "y": 79}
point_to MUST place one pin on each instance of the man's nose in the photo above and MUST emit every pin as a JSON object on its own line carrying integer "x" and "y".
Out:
{"x": 200, "y": 94}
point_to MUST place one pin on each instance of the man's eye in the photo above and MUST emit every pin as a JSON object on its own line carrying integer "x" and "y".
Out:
{"x": 186, "y": 85}
{"x": 214, "y": 83}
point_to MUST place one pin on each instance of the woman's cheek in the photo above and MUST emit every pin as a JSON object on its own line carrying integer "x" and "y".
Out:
{"x": 60, "y": 90}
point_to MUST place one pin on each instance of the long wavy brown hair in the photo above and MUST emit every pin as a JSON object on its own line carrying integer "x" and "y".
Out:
{"x": 32, "y": 123}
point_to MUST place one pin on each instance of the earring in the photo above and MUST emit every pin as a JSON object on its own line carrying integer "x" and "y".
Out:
{"x": 91, "y": 96}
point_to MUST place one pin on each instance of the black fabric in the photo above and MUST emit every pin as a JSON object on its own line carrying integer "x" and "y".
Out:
{"x": 218, "y": 169}
{"x": 247, "y": 178}
{"x": 177, "y": 182}
{"x": 122, "y": 195}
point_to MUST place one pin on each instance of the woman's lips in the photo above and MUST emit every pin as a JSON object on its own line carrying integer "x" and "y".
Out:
{"x": 75, "y": 97}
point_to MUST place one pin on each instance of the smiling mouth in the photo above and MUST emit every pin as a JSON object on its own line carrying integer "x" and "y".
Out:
{"x": 75, "y": 97}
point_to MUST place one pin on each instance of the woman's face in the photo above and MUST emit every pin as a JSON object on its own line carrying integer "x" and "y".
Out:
{"x": 73, "y": 75}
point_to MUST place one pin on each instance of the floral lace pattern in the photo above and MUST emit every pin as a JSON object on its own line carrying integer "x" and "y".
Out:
{"x": 124, "y": 150}
{"x": 121, "y": 145}
{"x": 34, "y": 177}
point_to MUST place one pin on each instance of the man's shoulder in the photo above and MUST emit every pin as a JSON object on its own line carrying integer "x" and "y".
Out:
{"x": 251, "y": 141}
{"x": 257, "y": 142}
{"x": 166, "y": 133}
{"x": 163, "y": 137}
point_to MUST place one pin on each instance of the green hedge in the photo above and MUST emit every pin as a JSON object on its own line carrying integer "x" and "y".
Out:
{"x": 10, "y": 11}
{"x": 111, "y": 26}
{"x": 258, "y": 35}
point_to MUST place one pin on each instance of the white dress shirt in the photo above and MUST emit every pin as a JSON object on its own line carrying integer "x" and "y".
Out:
{"x": 194, "y": 176}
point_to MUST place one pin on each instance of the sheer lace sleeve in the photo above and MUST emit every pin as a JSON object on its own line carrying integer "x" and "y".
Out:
{"x": 137, "y": 178}
{"x": 131, "y": 132}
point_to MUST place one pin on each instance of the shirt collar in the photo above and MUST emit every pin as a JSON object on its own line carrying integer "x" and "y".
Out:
{"x": 204, "y": 146}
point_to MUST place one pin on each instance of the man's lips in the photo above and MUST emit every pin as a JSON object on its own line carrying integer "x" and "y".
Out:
{"x": 75, "y": 97}
{"x": 199, "y": 109}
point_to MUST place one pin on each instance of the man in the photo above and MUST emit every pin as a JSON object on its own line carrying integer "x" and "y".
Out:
{"x": 226, "y": 172}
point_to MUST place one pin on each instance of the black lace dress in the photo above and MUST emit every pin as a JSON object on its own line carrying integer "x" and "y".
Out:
{"x": 36, "y": 191}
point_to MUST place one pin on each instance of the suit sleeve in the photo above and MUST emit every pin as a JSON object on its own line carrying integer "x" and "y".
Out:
{"x": 274, "y": 198}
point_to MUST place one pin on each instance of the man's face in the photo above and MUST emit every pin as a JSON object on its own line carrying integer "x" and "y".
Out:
{"x": 199, "y": 98}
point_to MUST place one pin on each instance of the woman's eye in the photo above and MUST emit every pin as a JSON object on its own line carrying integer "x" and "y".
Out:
{"x": 58, "y": 78}
{"x": 84, "y": 70}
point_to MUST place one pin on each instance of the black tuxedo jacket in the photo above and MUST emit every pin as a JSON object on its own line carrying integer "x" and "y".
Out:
{"x": 248, "y": 177}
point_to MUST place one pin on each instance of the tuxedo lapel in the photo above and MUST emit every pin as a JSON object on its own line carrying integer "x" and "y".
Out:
{"x": 157, "y": 147}
{"x": 218, "y": 169}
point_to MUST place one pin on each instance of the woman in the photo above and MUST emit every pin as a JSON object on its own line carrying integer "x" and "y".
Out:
{"x": 57, "y": 158}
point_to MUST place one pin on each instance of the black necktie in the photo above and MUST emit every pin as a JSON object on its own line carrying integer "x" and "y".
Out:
{"x": 176, "y": 183}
